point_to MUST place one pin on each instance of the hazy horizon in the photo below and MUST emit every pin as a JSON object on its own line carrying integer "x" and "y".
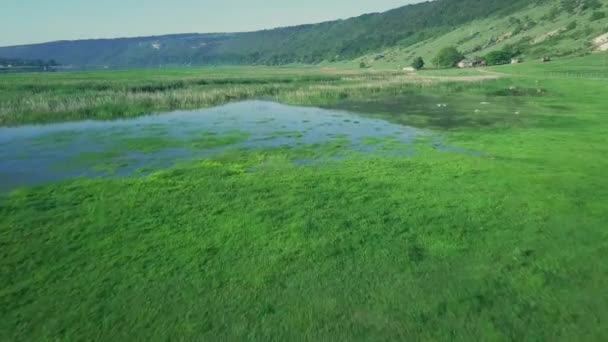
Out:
{"x": 69, "y": 20}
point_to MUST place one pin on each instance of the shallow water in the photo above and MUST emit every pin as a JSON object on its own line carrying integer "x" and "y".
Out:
{"x": 44, "y": 153}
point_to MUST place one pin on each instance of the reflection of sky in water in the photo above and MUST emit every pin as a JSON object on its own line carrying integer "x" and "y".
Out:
{"x": 42, "y": 153}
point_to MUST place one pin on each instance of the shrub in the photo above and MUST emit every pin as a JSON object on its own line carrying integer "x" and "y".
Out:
{"x": 448, "y": 57}
{"x": 597, "y": 15}
{"x": 553, "y": 13}
{"x": 592, "y": 4}
{"x": 498, "y": 57}
{"x": 578, "y": 6}
{"x": 517, "y": 30}
{"x": 477, "y": 48}
{"x": 514, "y": 21}
{"x": 418, "y": 63}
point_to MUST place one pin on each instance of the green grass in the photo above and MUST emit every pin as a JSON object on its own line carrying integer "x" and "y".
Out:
{"x": 112, "y": 157}
{"x": 36, "y": 98}
{"x": 247, "y": 245}
{"x": 46, "y": 97}
{"x": 206, "y": 140}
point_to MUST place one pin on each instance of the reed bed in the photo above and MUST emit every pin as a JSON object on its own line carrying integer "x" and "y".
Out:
{"x": 95, "y": 96}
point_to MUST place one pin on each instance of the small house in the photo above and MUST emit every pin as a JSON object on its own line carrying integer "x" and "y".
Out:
{"x": 545, "y": 59}
{"x": 466, "y": 64}
{"x": 409, "y": 69}
{"x": 475, "y": 63}
{"x": 515, "y": 60}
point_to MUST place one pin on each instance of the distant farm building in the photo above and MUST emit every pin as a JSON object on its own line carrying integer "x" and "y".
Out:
{"x": 465, "y": 64}
{"x": 409, "y": 69}
{"x": 516, "y": 60}
{"x": 545, "y": 59}
{"x": 475, "y": 63}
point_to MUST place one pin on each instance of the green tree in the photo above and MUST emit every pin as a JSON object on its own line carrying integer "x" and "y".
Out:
{"x": 448, "y": 57}
{"x": 498, "y": 57}
{"x": 362, "y": 65}
{"x": 418, "y": 63}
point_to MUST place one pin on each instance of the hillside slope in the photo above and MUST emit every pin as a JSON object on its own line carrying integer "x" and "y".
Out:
{"x": 420, "y": 29}
{"x": 547, "y": 28}
{"x": 335, "y": 40}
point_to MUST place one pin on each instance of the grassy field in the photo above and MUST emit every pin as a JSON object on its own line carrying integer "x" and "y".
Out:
{"x": 248, "y": 245}
{"x": 50, "y": 97}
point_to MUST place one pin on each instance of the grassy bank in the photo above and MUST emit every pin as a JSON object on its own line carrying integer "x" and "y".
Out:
{"x": 34, "y": 98}
{"x": 248, "y": 245}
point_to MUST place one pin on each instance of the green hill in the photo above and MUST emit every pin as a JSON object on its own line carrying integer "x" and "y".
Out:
{"x": 547, "y": 28}
{"x": 392, "y": 37}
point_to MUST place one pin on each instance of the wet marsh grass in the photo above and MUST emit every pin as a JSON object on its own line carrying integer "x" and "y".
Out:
{"x": 49, "y": 98}
{"x": 248, "y": 245}
{"x": 373, "y": 246}
{"x": 31, "y": 98}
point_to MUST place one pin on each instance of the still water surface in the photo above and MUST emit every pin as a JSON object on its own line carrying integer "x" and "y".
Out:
{"x": 38, "y": 154}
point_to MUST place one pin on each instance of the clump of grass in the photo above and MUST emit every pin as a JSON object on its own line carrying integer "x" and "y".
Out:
{"x": 207, "y": 140}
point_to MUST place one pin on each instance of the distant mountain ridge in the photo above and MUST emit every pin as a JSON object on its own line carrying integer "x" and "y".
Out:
{"x": 139, "y": 51}
{"x": 332, "y": 41}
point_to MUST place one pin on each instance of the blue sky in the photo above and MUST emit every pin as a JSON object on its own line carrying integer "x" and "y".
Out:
{"x": 34, "y": 21}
